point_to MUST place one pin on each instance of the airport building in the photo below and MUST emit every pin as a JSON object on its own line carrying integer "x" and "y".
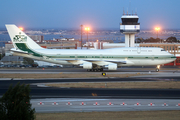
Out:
{"x": 12, "y": 60}
{"x": 37, "y": 38}
{"x": 129, "y": 27}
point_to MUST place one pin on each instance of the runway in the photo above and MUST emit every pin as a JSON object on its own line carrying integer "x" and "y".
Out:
{"x": 90, "y": 105}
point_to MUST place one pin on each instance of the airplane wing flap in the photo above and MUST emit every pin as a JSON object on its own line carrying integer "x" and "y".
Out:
{"x": 111, "y": 61}
{"x": 75, "y": 62}
{"x": 96, "y": 62}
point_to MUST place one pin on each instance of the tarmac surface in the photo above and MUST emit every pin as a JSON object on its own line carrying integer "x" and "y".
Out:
{"x": 90, "y": 105}
{"x": 48, "y": 95}
{"x": 80, "y": 70}
{"x": 39, "y": 90}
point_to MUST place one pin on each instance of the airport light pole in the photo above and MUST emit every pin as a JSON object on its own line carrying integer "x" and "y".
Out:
{"x": 157, "y": 29}
{"x": 87, "y": 29}
{"x": 61, "y": 40}
{"x": 81, "y": 35}
{"x": 1, "y": 56}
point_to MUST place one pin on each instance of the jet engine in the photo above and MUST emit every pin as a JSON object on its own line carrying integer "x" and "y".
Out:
{"x": 86, "y": 65}
{"x": 111, "y": 66}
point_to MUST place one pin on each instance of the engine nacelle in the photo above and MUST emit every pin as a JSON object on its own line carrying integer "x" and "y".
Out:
{"x": 86, "y": 65}
{"x": 111, "y": 66}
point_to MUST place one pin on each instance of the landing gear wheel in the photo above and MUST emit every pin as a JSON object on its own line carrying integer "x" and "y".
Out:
{"x": 157, "y": 70}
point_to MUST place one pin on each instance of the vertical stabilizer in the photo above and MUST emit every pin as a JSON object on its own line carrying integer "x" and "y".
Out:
{"x": 19, "y": 37}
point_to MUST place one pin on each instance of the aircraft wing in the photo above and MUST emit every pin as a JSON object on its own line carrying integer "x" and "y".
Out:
{"x": 96, "y": 62}
{"x": 111, "y": 61}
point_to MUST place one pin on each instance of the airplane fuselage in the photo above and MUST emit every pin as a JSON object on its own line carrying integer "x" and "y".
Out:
{"x": 122, "y": 56}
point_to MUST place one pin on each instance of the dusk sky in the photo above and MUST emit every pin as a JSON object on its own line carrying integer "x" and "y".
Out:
{"x": 97, "y": 14}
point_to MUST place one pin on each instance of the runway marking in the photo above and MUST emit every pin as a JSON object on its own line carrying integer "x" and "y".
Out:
{"x": 40, "y": 103}
{"x": 151, "y": 104}
{"x": 55, "y": 103}
{"x": 76, "y": 105}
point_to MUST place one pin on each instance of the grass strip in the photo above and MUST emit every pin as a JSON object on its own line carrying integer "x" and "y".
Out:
{"x": 124, "y": 115}
{"x": 121, "y": 85}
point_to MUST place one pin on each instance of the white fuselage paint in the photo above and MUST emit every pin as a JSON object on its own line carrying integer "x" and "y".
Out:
{"x": 132, "y": 56}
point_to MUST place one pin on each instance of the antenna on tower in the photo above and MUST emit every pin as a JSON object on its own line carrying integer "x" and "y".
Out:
{"x": 135, "y": 11}
{"x": 129, "y": 5}
{"x": 127, "y": 11}
{"x": 123, "y": 11}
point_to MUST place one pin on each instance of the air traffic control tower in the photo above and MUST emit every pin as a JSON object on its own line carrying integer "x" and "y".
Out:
{"x": 129, "y": 27}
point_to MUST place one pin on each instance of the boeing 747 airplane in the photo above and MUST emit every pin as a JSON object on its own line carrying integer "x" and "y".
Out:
{"x": 92, "y": 60}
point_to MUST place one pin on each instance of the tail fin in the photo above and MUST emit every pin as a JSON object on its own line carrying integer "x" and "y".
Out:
{"x": 18, "y": 38}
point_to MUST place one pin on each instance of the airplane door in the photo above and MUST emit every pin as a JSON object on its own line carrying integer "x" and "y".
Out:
{"x": 138, "y": 50}
{"x": 152, "y": 57}
{"x": 101, "y": 56}
{"x": 76, "y": 56}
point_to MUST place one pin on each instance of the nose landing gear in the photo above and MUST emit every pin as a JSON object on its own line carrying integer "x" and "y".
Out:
{"x": 157, "y": 68}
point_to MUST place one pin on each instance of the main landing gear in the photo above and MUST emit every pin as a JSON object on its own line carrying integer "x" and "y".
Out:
{"x": 157, "y": 68}
{"x": 95, "y": 70}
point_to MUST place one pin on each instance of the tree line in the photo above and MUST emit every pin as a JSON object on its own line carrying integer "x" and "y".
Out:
{"x": 158, "y": 40}
{"x": 15, "y": 104}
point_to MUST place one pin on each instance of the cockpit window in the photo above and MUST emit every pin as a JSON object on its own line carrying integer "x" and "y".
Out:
{"x": 162, "y": 50}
